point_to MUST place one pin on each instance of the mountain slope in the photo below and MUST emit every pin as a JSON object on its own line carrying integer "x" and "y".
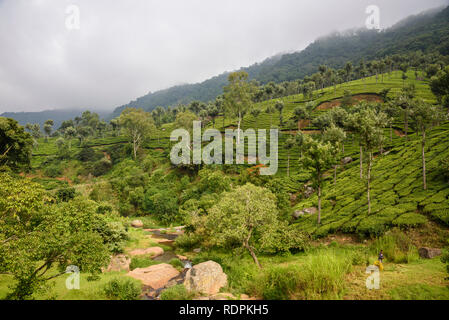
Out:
{"x": 427, "y": 31}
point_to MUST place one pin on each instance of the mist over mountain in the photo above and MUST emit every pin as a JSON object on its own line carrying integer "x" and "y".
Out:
{"x": 426, "y": 31}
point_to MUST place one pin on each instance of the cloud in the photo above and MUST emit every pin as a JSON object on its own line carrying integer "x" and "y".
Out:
{"x": 124, "y": 49}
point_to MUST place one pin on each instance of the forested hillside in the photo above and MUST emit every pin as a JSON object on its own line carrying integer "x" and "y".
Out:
{"x": 425, "y": 32}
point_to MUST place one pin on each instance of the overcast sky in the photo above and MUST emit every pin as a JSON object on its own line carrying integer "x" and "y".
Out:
{"x": 124, "y": 49}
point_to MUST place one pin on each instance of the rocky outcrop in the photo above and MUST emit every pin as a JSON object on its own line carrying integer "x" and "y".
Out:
{"x": 308, "y": 192}
{"x": 429, "y": 253}
{"x": 118, "y": 263}
{"x": 307, "y": 211}
{"x": 153, "y": 252}
{"x": 156, "y": 276}
{"x": 137, "y": 224}
{"x": 207, "y": 278}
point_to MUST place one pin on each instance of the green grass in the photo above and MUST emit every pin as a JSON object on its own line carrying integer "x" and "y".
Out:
{"x": 89, "y": 290}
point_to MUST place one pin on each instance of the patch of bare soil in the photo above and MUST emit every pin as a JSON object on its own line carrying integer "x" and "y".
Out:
{"x": 358, "y": 98}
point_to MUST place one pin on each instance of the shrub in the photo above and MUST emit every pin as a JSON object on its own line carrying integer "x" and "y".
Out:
{"x": 177, "y": 263}
{"x": 410, "y": 220}
{"x": 119, "y": 289}
{"x": 141, "y": 262}
{"x": 89, "y": 155}
{"x": 65, "y": 194}
{"x": 101, "y": 167}
{"x": 53, "y": 171}
{"x": 188, "y": 241}
{"x": 178, "y": 292}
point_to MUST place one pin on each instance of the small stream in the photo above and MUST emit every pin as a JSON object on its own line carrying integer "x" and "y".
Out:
{"x": 169, "y": 255}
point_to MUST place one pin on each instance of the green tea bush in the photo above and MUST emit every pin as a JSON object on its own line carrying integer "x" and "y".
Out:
{"x": 410, "y": 220}
{"x": 120, "y": 289}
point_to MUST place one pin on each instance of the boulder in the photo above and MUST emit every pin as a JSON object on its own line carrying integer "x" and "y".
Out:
{"x": 307, "y": 211}
{"x": 119, "y": 262}
{"x": 153, "y": 252}
{"x": 346, "y": 160}
{"x": 207, "y": 278}
{"x": 429, "y": 253}
{"x": 197, "y": 250}
{"x": 137, "y": 224}
{"x": 308, "y": 192}
{"x": 156, "y": 276}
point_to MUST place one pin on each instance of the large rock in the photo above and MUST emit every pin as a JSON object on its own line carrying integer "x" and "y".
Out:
{"x": 346, "y": 160}
{"x": 137, "y": 224}
{"x": 153, "y": 252}
{"x": 429, "y": 253}
{"x": 308, "y": 192}
{"x": 119, "y": 262}
{"x": 156, "y": 276}
{"x": 307, "y": 211}
{"x": 207, "y": 277}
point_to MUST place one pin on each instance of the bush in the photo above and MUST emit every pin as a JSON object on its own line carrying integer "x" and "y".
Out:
{"x": 118, "y": 289}
{"x": 178, "y": 292}
{"x": 89, "y": 155}
{"x": 65, "y": 194}
{"x": 53, "y": 171}
{"x": 141, "y": 262}
{"x": 101, "y": 167}
{"x": 177, "y": 263}
{"x": 409, "y": 220}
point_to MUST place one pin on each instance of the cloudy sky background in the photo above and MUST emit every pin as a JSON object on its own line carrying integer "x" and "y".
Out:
{"x": 124, "y": 49}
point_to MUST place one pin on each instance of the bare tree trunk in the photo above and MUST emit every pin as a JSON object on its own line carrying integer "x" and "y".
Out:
{"x": 135, "y": 149}
{"x": 406, "y": 124}
{"x": 319, "y": 203}
{"x": 251, "y": 251}
{"x": 238, "y": 128}
{"x": 361, "y": 162}
{"x": 368, "y": 180}
{"x": 424, "y": 159}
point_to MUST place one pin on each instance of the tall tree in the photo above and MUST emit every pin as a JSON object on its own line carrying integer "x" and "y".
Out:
{"x": 137, "y": 125}
{"x": 317, "y": 157}
{"x": 280, "y": 108}
{"x": 336, "y": 136}
{"x": 15, "y": 145}
{"x": 238, "y": 96}
{"x": 424, "y": 116}
{"x": 48, "y": 127}
{"x": 369, "y": 124}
